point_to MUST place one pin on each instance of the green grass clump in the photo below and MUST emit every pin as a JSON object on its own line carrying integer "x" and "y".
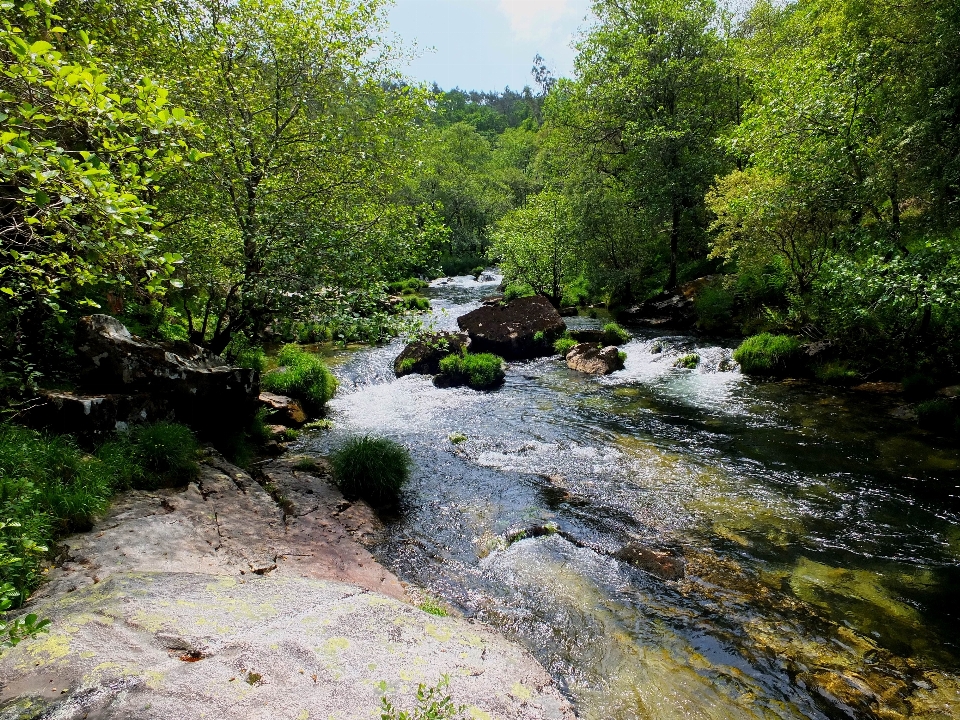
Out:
{"x": 613, "y": 334}
{"x": 836, "y": 373}
{"x": 689, "y": 361}
{"x": 564, "y": 345}
{"x": 622, "y": 357}
{"x": 406, "y": 366}
{"x": 409, "y": 285}
{"x": 479, "y": 371}
{"x": 433, "y": 607}
{"x": 324, "y": 424}
{"x": 514, "y": 292}
{"x": 457, "y": 438}
{"x": 252, "y": 357}
{"x": 767, "y": 354}
{"x": 303, "y": 376}
{"x": 371, "y": 468}
{"x": 415, "y": 302}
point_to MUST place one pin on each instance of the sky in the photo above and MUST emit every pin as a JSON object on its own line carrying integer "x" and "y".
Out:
{"x": 487, "y": 44}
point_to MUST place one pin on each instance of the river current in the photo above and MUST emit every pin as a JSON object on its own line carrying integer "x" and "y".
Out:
{"x": 821, "y": 534}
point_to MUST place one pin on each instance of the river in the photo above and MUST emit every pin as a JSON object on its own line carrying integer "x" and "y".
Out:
{"x": 821, "y": 534}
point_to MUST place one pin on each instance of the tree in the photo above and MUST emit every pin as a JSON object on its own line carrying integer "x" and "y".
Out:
{"x": 535, "y": 245}
{"x": 308, "y": 127}
{"x": 648, "y": 108}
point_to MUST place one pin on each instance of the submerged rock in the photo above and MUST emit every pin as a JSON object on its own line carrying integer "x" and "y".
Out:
{"x": 423, "y": 356}
{"x": 588, "y": 358}
{"x": 663, "y": 565}
{"x": 523, "y": 328}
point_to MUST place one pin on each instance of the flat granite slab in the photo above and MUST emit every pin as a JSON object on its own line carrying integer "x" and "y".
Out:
{"x": 193, "y": 645}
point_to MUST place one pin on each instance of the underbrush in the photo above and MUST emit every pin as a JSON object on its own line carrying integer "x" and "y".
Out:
{"x": 371, "y": 468}
{"x": 302, "y": 376}
{"x": 767, "y": 354}
{"x": 49, "y": 487}
{"x": 454, "y": 265}
{"x": 479, "y": 371}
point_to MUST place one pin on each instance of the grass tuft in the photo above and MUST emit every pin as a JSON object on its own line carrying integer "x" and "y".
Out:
{"x": 303, "y": 376}
{"x": 613, "y": 334}
{"x": 479, "y": 371}
{"x": 689, "y": 361}
{"x": 564, "y": 345}
{"x": 767, "y": 354}
{"x": 371, "y": 468}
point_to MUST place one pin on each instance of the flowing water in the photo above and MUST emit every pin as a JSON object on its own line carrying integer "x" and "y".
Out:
{"x": 821, "y": 534}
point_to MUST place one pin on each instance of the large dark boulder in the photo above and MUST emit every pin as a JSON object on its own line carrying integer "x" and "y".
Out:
{"x": 523, "y": 328}
{"x": 129, "y": 379}
{"x": 424, "y": 354}
{"x": 670, "y": 309}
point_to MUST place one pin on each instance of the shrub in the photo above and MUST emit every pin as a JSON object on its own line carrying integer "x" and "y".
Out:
{"x": 410, "y": 285}
{"x": 302, "y": 376}
{"x": 415, "y": 302}
{"x": 477, "y": 271}
{"x": 479, "y": 371}
{"x": 613, "y": 334}
{"x": 564, "y": 345}
{"x": 151, "y": 456}
{"x": 371, "y": 468}
{"x": 836, "y": 373}
{"x": 253, "y": 357}
{"x": 513, "y": 292}
{"x": 767, "y": 354}
{"x": 433, "y": 703}
{"x": 689, "y": 362}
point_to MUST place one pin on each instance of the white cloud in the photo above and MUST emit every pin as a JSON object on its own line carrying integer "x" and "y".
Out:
{"x": 537, "y": 19}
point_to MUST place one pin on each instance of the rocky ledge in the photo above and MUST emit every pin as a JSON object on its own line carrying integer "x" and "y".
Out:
{"x": 232, "y": 599}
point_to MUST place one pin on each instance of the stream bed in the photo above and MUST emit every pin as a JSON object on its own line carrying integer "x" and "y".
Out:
{"x": 820, "y": 534}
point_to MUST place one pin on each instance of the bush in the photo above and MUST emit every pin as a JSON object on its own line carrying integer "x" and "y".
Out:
{"x": 303, "y": 376}
{"x": 689, "y": 362}
{"x": 409, "y": 285}
{"x": 836, "y": 373}
{"x": 151, "y": 456}
{"x": 479, "y": 371}
{"x": 454, "y": 265}
{"x": 613, "y": 334}
{"x": 513, "y": 292}
{"x": 477, "y": 271}
{"x": 433, "y": 703}
{"x": 564, "y": 345}
{"x": 767, "y": 354}
{"x": 253, "y": 357}
{"x": 371, "y": 468}
{"x": 415, "y": 302}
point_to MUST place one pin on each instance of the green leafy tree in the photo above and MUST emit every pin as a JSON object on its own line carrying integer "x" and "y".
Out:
{"x": 536, "y": 245}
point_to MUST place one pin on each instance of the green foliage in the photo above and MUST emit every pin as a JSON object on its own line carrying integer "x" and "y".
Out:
{"x": 836, "y": 372}
{"x": 408, "y": 285}
{"x": 460, "y": 264}
{"x": 689, "y": 361}
{"x": 406, "y": 366}
{"x": 939, "y": 415}
{"x": 371, "y": 468}
{"x": 622, "y": 357}
{"x": 323, "y": 424}
{"x": 480, "y": 371}
{"x": 433, "y": 703}
{"x": 534, "y": 245}
{"x": 613, "y": 334}
{"x": 767, "y": 354}
{"x": 564, "y": 345}
{"x": 415, "y": 303}
{"x": 457, "y": 438}
{"x": 714, "y": 307}
{"x": 303, "y": 376}
{"x": 514, "y": 292}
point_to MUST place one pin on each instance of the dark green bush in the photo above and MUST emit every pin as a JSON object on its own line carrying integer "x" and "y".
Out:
{"x": 253, "y": 357}
{"x": 479, "y": 371}
{"x": 564, "y": 345}
{"x": 415, "y": 302}
{"x": 303, "y": 376}
{"x": 513, "y": 292}
{"x": 613, "y": 334}
{"x": 454, "y": 265}
{"x": 477, "y": 271}
{"x": 409, "y": 285}
{"x": 767, "y": 354}
{"x": 371, "y": 468}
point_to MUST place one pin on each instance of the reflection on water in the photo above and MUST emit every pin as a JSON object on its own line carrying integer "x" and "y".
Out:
{"x": 821, "y": 534}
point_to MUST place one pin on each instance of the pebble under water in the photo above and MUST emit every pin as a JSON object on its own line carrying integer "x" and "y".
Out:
{"x": 820, "y": 533}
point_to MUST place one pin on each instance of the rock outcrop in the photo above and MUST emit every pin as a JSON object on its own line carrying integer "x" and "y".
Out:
{"x": 669, "y": 309}
{"x": 588, "y": 358}
{"x": 126, "y": 379}
{"x": 661, "y": 564}
{"x": 282, "y": 410}
{"x": 218, "y": 602}
{"x": 423, "y": 356}
{"x": 511, "y": 330}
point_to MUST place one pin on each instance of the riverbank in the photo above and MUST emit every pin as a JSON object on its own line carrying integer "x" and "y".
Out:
{"x": 242, "y": 599}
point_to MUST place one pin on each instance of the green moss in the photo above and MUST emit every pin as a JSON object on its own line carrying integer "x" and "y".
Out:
{"x": 767, "y": 354}
{"x": 457, "y": 438}
{"x": 564, "y": 345}
{"x": 303, "y": 376}
{"x": 374, "y": 469}
{"x": 479, "y": 371}
{"x": 406, "y": 366}
{"x": 433, "y": 607}
{"x": 689, "y": 361}
{"x": 613, "y": 334}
